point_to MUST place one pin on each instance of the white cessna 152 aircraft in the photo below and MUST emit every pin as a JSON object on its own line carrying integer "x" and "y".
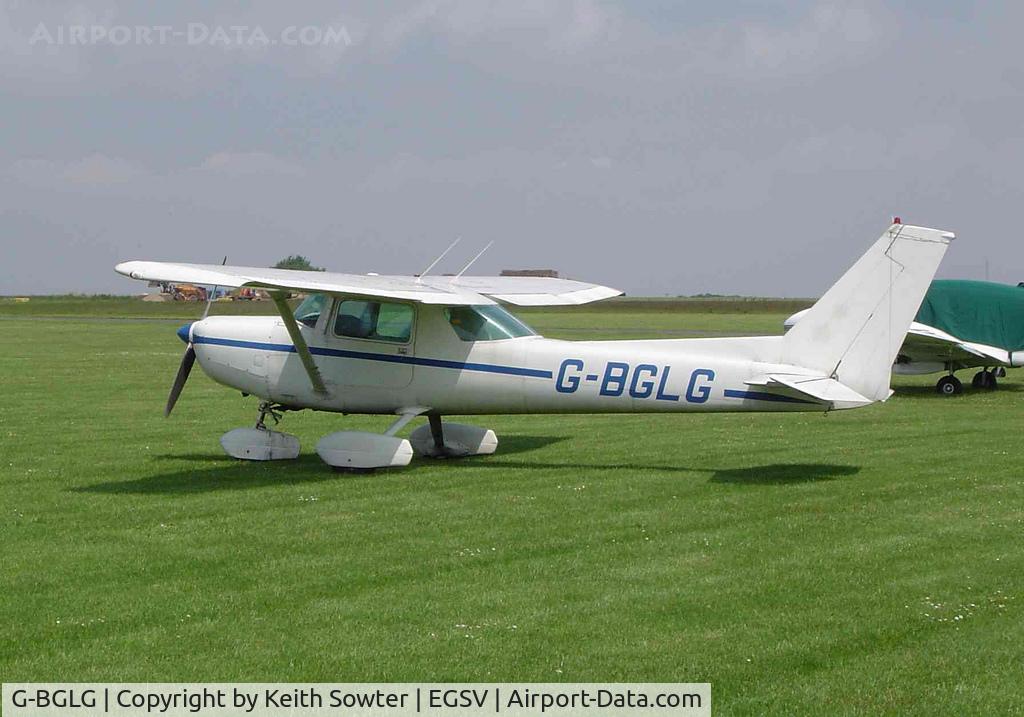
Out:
{"x": 436, "y": 346}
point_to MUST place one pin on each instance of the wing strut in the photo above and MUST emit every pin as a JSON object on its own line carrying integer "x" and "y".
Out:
{"x": 301, "y": 348}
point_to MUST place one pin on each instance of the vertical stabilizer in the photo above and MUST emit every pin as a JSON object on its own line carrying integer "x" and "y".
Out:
{"x": 855, "y": 330}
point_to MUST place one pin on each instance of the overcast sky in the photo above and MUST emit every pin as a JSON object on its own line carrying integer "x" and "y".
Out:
{"x": 659, "y": 147}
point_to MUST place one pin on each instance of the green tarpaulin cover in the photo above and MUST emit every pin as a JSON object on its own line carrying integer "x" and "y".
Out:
{"x": 977, "y": 311}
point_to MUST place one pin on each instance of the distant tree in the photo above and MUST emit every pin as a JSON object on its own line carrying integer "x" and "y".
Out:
{"x": 298, "y": 262}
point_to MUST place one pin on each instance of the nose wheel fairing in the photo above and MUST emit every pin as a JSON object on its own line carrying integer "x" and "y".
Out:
{"x": 259, "y": 443}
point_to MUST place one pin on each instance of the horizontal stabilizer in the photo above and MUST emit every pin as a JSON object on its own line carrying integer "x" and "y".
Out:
{"x": 820, "y": 388}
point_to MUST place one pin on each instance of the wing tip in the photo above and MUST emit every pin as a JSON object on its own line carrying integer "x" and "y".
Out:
{"x": 125, "y": 268}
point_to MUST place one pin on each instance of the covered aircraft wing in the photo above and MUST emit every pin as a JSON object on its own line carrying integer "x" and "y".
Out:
{"x": 522, "y": 291}
{"x": 927, "y": 343}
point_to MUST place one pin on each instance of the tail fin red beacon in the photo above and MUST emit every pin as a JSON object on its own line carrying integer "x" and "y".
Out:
{"x": 853, "y": 333}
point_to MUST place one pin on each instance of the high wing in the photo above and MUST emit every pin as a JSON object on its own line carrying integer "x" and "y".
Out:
{"x": 531, "y": 291}
{"x": 927, "y": 343}
{"x": 518, "y": 290}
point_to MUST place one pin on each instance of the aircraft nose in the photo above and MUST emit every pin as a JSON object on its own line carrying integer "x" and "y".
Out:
{"x": 185, "y": 332}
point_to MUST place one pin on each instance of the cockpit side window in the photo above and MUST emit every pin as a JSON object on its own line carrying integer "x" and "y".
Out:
{"x": 485, "y": 323}
{"x": 308, "y": 312}
{"x": 374, "y": 320}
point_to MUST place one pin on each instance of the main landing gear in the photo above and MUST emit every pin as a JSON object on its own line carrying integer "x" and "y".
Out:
{"x": 984, "y": 380}
{"x": 361, "y": 450}
{"x": 452, "y": 440}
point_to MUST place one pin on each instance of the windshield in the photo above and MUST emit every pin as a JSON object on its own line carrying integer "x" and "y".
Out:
{"x": 310, "y": 309}
{"x": 485, "y": 323}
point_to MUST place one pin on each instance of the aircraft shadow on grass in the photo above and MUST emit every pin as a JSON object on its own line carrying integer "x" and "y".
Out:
{"x": 771, "y": 474}
{"x": 783, "y": 473}
{"x": 225, "y": 473}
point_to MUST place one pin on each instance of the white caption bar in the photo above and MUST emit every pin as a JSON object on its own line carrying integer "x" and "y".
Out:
{"x": 81, "y": 699}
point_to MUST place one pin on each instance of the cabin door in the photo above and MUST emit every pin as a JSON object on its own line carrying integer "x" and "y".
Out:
{"x": 371, "y": 342}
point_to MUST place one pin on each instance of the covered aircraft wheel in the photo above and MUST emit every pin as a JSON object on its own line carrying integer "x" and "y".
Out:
{"x": 985, "y": 380}
{"x": 949, "y": 386}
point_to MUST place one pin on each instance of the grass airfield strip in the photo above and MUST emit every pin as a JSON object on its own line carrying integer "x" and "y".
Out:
{"x": 860, "y": 561}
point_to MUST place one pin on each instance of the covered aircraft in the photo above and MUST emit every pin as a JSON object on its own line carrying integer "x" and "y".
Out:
{"x": 960, "y": 325}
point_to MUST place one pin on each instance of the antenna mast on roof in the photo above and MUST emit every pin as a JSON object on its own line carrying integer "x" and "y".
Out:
{"x": 472, "y": 261}
{"x": 439, "y": 258}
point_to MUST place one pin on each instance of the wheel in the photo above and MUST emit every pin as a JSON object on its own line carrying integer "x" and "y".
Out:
{"x": 985, "y": 380}
{"x": 949, "y": 386}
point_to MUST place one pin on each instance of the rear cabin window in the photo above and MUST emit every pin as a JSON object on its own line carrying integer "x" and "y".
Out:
{"x": 485, "y": 323}
{"x": 374, "y": 320}
{"x": 308, "y": 312}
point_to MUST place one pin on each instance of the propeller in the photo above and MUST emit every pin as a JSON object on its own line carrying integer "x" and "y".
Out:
{"x": 187, "y": 361}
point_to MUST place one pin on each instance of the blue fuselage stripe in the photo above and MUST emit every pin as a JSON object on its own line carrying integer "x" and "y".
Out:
{"x": 445, "y": 363}
{"x": 762, "y": 396}
{"x": 386, "y": 358}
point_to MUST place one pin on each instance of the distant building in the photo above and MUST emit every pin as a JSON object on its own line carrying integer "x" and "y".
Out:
{"x": 546, "y": 273}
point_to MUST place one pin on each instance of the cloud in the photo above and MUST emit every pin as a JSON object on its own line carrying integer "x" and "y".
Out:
{"x": 664, "y": 147}
{"x": 562, "y": 26}
{"x": 99, "y": 169}
{"x": 94, "y": 169}
{"x": 827, "y": 33}
{"x": 250, "y": 164}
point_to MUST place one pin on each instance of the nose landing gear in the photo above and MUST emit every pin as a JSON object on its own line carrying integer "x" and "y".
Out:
{"x": 259, "y": 443}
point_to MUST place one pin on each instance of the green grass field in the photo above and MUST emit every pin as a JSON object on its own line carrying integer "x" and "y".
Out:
{"x": 859, "y": 562}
